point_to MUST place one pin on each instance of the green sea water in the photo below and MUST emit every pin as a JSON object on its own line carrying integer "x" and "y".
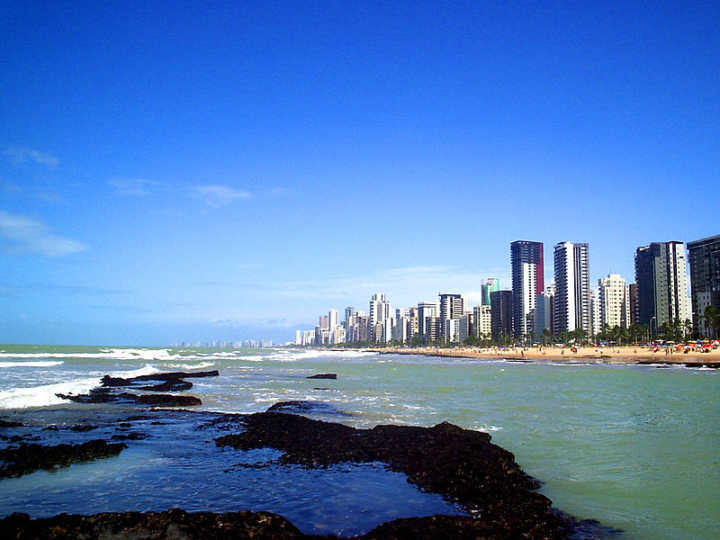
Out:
{"x": 636, "y": 448}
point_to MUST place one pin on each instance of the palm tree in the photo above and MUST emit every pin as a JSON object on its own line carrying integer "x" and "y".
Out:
{"x": 712, "y": 319}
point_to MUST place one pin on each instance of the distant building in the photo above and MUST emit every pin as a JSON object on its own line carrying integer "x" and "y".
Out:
{"x": 482, "y": 321}
{"x": 452, "y": 306}
{"x": 704, "y": 258}
{"x": 324, "y": 322}
{"x": 501, "y": 313}
{"x": 660, "y": 274}
{"x": 634, "y": 304}
{"x": 491, "y": 285}
{"x": 426, "y": 310}
{"x": 528, "y": 280}
{"x": 544, "y": 311}
{"x": 595, "y": 326}
{"x": 614, "y": 302}
{"x": 451, "y": 332}
{"x": 379, "y": 312}
{"x": 432, "y": 327}
{"x": 572, "y": 288}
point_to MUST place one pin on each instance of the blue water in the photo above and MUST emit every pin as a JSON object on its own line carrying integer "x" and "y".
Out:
{"x": 634, "y": 447}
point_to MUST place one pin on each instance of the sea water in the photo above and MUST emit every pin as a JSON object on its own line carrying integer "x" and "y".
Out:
{"x": 635, "y": 447}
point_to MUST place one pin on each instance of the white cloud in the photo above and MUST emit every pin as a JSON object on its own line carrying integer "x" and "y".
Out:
{"x": 218, "y": 195}
{"x": 28, "y": 236}
{"x": 23, "y": 155}
{"x": 132, "y": 187}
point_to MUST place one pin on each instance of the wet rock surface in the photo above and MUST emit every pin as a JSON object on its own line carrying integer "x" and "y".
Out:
{"x": 166, "y": 382}
{"x": 462, "y": 465}
{"x": 323, "y": 376}
{"x": 171, "y": 524}
{"x": 307, "y": 407}
{"x": 28, "y": 458}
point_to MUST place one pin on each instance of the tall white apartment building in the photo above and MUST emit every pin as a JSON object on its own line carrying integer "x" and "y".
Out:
{"x": 572, "y": 288}
{"x": 379, "y": 312}
{"x": 595, "y": 325}
{"x": 426, "y": 310}
{"x": 482, "y": 321}
{"x": 614, "y": 299}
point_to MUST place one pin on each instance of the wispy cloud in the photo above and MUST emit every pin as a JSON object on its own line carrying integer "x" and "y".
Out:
{"x": 22, "y": 155}
{"x": 132, "y": 187}
{"x": 29, "y": 236}
{"x": 218, "y": 195}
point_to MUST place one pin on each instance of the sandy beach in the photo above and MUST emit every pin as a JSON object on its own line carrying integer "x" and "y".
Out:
{"x": 601, "y": 355}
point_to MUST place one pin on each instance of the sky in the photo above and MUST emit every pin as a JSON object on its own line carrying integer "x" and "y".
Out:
{"x": 176, "y": 171}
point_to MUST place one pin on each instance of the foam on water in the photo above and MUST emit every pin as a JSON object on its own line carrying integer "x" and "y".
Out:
{"x": 45, "y": 395}
{"x": 31, "y": 364}
{"x": 112, "y": 354}
{"x": 201, "y": 365}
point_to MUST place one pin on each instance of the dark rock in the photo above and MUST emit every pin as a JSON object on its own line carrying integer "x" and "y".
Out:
{"x": 10, "y": 423}
{"x": 137, "y": 417}
{"x": 306, "y": 407}
{"x": 100, "y": 396}
{"x": 31, "y": 457}
{"x": 463, "y": 465}
{"x": 83, "y": 427}
{"x": 169, "y": 386}
{"x": 323, "y": 376}
{"x": 157, "y": 525}
{"x": 51, "y": 428}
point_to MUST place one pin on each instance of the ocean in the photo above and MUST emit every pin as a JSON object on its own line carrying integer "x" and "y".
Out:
{"x": 634, "y": 447}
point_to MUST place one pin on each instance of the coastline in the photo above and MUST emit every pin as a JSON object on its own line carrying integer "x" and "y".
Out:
{"x": 625, "y": 355}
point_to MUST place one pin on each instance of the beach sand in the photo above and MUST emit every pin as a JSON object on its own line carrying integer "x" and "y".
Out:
{"x": 600, "y": 355}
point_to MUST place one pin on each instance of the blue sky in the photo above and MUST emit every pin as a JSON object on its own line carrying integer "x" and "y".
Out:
{"x": 229, "y": 170}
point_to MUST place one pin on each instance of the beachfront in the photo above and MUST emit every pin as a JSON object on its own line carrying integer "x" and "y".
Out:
{"x": 627, "y": 354}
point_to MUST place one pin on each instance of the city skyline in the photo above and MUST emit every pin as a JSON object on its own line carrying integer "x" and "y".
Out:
{"x": 203, "y": 172}
{"x": 659, "y": 302}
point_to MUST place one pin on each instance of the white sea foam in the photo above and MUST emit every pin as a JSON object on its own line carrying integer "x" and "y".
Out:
{"x": 44, "y": 395}
{"x": 113, "y": 354}
{"x": 201, "y": 365}
{"x": 31, "y": 364}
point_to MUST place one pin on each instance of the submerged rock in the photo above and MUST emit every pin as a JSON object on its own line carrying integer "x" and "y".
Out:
{"x": 10, "y": 423}
{"x": 170, "y": 524}
{"x": 30, "y": 457}
{"x": 307, "y": 407}
{"x": 171, "y": 382}
{"x": 323, "y": 376}
{"x": 103, "y": 396}
{"x": 463, "y": 465}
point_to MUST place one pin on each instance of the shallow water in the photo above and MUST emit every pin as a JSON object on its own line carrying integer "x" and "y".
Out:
{"x": 634, "y": 447}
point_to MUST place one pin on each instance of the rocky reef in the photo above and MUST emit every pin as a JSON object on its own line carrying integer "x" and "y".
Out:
{"x": 171, "y": 524}
{"x": 165, "y": 382}
{"x": 28, "y": 458}
{"x": 463, "y": 465}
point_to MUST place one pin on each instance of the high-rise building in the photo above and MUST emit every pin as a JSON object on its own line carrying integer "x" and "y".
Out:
{"x": 425, "y": 310}
{"x": 482, "y": 321}
{"x": 491, "y": 285}
{"x": 704, "y": 258}
{"x": 501, "y": 313}
{"x": 332, "y": 319}
{"x": 614, "y": 302}
{"x": 572, "y": 288}
{"x": 298, "y": 337}
{"x": 528, "y": 280}
{"x": 324, "y": 322}
{"x": 544, "y": 311}
{"x": 594, "y": 313}
{"x": 349, "y": 316}
{"x": 379, "y": 311}
{"x": 634, "y": 302}
{"x": 452, "y": 306}
{"x": 661, "y": 277}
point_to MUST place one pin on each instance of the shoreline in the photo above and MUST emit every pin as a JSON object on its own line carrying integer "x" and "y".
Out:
{"x": 625, "y": 355}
